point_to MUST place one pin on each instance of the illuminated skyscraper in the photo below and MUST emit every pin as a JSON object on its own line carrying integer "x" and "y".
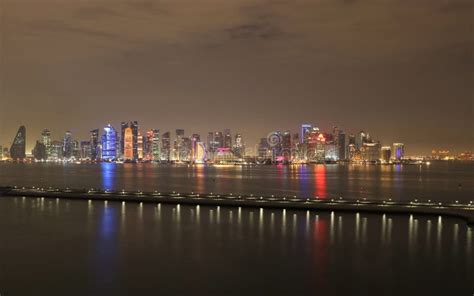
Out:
{"x": 140, "y": 145}
{"x": 46, "y": 140}
{"x": 360, "y": 139}
{"x": 398, "y": 151}
{"x": 179, "y": 145}
{"x": 195, "y": 139}
{"x": 386, "y": 154}
{"x": 109, "y": 143}
{"x": 56, "y": 150}
{"x": 68, "y": 147}
{"x": 227, "y": 138}
{"x": 85, "y": 150}
{"x": 305, "y": 130}
{"x": 156, "y": 145}
{"x": 165, "y": 146}
{"x": 370, "y": 152}
{"x": 218, "y": 140}
{"x": 286, "y": 145}
{"x": 128, "y": 144}
{"x": 18, "y": 148}
{"x": 238, "y": 148}
{"x": 94, "y": 142}
{"x": 39, "y": 152}
{"x": 341, "y": 145}
{"x": 200, "y": 153}
{"x": 133, "y": 125}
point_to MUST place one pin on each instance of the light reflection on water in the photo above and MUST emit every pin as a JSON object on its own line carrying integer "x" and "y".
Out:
{"x": 178, "y": 240}
{"x": 441, "y": 181}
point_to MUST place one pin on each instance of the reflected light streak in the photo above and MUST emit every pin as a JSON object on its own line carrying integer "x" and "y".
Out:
{"x": 320, "y": 181}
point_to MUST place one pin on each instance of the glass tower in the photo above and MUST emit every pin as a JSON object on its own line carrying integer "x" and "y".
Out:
{"x": 18, "y": 148}
{"x": 109, "y": 143}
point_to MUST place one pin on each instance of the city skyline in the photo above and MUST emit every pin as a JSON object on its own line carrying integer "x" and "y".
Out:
{"x": 398, "y": 69}
{"x": 31, "y": 140}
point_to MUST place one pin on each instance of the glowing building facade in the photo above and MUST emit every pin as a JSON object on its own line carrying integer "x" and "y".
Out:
{"x": 398, "y": 151}
{"x": 109, "y": 143}
{"x": 128, "y": 144}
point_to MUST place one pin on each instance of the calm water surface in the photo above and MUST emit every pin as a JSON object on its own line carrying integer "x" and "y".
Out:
{"x": 61, "y": 247}
{"x": 440, "y": 181}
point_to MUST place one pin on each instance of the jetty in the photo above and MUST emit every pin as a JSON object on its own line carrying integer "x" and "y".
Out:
{"x": 453, "y": 209}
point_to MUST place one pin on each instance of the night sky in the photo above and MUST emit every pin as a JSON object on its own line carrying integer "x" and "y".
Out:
{"x": 401, "y": 70}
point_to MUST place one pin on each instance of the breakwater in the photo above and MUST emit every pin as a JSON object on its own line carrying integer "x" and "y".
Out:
{"x": 454, "y": 209}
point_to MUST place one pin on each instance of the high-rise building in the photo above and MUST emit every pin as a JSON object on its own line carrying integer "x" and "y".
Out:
{"x": 109, "y": 143}
{"x": 195, "y": 139}
{"x": 341, "y": 145}
{"x": 386, "y": 153}
{"x": 67, "y": 145}
{"x": 133, "y": 125}
{"x": 218, "y": 140}
{"x": 264, "y": 151}
{"x": 305, "y": 131}
{"x": 238, "y": 147}
{"x": 46, "y": 140}
{"x": 360, "y": 139}
{"x": 140, "y": 145}
{"x": 56, "y": 150}
{"x": 398, "y": 151}
{"x": 128, "y": 152}
{"x": 94, "y": 143}
{"x": 85, "y": 150}
{"x": 18, "y": 148}
{"x": 370, "y": 152}
{"x": 179, "y": 145}
{"x": 227, "y": 139}
{"x": 166, "y": 146}
{"x": 156, "y": 145}
{"x": 200, "y": 153}
{"x": 1, "y": 152}
{"x": 39, "y": 152}
{"x": 286, "y": 145}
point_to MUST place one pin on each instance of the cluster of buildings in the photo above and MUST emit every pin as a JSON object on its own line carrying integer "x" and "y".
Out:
{"x": 311, "y": 145}
{"x": 129, "y": 145}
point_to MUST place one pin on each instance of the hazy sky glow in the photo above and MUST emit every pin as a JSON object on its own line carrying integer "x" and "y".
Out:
{"x": 402, "y": 70}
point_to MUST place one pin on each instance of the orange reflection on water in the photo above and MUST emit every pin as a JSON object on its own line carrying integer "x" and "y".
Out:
{"x": 320, "y": 181}
{"x": 200, "y": 177}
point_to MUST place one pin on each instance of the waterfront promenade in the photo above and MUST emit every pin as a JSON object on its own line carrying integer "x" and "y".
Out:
{"x": 454, "y": 209}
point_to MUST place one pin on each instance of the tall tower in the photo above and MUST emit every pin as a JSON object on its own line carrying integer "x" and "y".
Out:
{"x": 227, "y": 138}
{"x": 67, "y": 145}
{"x": 46, "y": 140}
{"x": 128, "y": 144}
{"x": 18, "y": 148}
{"x": 94, "y": 144}
{"x": 398, "y": 151}
{"x": 305, "y": 131}
{"x": 178, "y": 144}
{"x": 156, "y": 145}
{"x": 165, "y": 146}
{"x": 109, "y": 143}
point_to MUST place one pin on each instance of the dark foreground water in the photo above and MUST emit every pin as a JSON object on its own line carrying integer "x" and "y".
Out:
{"x": 441, "y": 181}
{"x": 61, "y": 247}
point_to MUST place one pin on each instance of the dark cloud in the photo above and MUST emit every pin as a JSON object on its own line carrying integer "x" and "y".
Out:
{"x": 392, "y": 67}
{"x": 255, "y": 30}
{"x": 95, "y": 12}
{"x": 61, "y": 27}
